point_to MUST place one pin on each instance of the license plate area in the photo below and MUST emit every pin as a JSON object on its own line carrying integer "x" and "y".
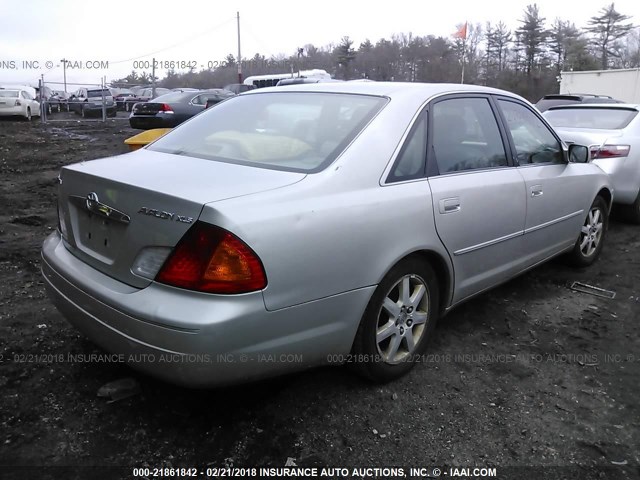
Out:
{"x": 98, "y": 236}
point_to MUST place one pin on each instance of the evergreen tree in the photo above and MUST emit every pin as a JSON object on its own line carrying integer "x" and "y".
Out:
{"x": 607, "y": 29}
{"x": 532, "y": 36}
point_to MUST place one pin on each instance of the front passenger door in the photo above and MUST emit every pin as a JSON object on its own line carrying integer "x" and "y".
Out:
{"x": 555, "y": 197}
{"x": 479, "y": 198}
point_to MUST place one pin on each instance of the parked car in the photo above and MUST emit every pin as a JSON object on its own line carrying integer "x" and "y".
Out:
{"x": 171, "y": 109}
{"x": 300, "y": 80}
{"x": 214, "y": 96}
{"x": 47, "y": 100}
{"x": 18, "y": 102}
{"x": 61, "y": 100}
{"x": 184, "y": 89}
{"x": 549, "y": 101}
{"x": 144, "y": 95}
{"x": 238, "y": 88}
{"x": 89, "y": 102}
{"x": 613, "y": 133}
{"x": 317, "y": 224}
{"x": 120, "y": 96}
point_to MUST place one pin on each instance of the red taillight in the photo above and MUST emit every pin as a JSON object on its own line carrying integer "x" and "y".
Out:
{"x": 211, "y": 259}
{"x": 610, "y": 151}
{"x": 166, "y": 108}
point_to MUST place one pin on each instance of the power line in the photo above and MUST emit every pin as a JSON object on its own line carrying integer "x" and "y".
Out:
{"x": 175, "y": 44}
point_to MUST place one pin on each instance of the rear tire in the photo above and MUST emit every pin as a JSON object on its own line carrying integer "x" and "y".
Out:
{"x": 592, "y": 235}
{"x": 28, "y": 117}
{"x": 398, "y": 321}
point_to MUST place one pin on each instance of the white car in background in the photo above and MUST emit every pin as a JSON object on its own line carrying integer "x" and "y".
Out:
{"x": 18, "y": 101}
{"x": 612, "y": 131}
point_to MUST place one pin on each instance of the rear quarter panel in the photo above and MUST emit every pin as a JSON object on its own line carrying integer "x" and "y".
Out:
{"x": 337, "y": 230}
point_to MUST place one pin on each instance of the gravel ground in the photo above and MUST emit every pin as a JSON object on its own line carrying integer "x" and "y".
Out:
{"x": 531, "y": 374}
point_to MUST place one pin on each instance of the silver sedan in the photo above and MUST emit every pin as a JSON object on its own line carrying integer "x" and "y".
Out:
{"x": 612, "y": 132}
{"x": 318, "y": 224}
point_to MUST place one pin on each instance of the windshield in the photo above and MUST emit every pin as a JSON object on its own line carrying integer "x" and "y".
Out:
{"x": 596, "y": 118}
{"x": 293, "y": 131}
{"x": 8, "y": 93}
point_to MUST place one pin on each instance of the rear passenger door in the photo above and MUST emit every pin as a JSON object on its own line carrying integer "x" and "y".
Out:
{"x": 555, "y": 188}
{"x": 478, "y": 195}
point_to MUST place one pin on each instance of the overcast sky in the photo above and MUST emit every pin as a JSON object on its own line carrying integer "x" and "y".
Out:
{"x": 205, "y": 32}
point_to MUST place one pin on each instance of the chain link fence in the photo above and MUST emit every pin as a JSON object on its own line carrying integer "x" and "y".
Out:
{"x": 91, "y": 102}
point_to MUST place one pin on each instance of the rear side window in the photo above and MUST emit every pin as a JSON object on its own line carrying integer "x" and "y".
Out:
{"x": 466, "y": 135}
{"x": 598, "y": 118}
{"x": 410, "y": 163}
{"x": 9, "y": 93}
{"x": 533, "y": 140}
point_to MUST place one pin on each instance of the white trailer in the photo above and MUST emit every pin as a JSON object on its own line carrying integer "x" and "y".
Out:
{"x": 621, "y": 84}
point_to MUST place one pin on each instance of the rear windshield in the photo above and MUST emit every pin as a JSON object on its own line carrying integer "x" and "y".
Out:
{"x": 173, "y": 97}
{"x": 584, "y": 117}
{"x": 8, "y": 93}
{"x": 292, "y": 131}
{"x": 98, "y": 93}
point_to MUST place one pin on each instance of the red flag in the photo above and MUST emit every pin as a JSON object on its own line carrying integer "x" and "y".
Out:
{"x": 462, "y": 32}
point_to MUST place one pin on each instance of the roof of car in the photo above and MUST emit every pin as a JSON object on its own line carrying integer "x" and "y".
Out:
{"x": 385, "y": 89}
{"x": 574, "y": 95}
{"x": 619, "y": 106}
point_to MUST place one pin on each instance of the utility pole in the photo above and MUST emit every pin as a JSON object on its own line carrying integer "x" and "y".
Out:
{"x": 464, "y": 45}
{"x": 239, "y": 56}
{"x": 64, "y": 73}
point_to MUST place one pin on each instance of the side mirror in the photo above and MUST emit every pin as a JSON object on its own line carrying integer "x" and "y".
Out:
{"x": 578, "y": 153}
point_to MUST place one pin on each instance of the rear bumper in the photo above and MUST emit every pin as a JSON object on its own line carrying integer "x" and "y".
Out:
{"x": 12, "y": 111}
{"x": 146, "y": 122}
{"x": 197, "y": 339}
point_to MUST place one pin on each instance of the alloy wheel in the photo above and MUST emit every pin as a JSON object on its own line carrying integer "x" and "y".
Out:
{"x": 591, "y": 232}
{"x": 402, "y": 319}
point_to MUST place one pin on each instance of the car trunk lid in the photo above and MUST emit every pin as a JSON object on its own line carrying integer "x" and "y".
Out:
{"x": 148, "y": 108}
{"x": 113, "y": 208}
{"x": 588, "y": 137}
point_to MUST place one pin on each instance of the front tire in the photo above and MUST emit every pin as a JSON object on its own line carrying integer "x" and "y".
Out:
{"x": 592, "y": 234}
{"x": 28, "y": 117}
{"x": 398, "y": 321}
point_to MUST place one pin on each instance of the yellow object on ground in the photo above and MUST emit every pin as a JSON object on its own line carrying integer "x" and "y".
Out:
{"x": 144, "y": 138}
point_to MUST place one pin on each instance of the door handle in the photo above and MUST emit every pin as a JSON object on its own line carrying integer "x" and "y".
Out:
{"x": 536, "y": 191}
{"x": 449, "y": 205}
